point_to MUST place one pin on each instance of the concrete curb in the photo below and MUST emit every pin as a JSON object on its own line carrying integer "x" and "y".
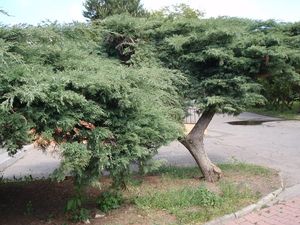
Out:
{"x": 248, "y": 209}
{"x": 13, "y": 159}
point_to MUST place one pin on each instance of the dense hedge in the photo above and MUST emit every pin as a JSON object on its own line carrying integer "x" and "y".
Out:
{"x": 58, "y": 88}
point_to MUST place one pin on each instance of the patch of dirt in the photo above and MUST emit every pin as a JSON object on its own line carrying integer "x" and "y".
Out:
{"x": 33, "y": 203}
{"x": 40, "y": 202}
{"x": 130, "y": 215}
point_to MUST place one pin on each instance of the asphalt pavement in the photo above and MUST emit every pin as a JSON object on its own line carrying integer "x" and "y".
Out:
{"x": 275, "y": 144}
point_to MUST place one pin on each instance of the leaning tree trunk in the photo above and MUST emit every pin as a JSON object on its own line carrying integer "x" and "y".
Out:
{"x": 194, "y": 143}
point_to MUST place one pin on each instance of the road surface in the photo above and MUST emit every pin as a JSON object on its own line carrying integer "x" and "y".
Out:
{"x": 274, "y": 144}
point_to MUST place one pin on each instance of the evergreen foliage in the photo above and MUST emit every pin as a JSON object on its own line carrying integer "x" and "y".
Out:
{"x": 231, "y": 63}
{"x": 203, "y": 49}
{"x": 57, "y": 88}
{"x": 274, "y": 58}
{"x": 100, "y": 9}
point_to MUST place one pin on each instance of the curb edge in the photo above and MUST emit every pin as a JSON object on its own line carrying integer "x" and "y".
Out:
{"x": 250, "y": 208}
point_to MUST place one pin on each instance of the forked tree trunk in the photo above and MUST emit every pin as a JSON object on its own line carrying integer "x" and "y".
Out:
{"x": 194, "y": 143}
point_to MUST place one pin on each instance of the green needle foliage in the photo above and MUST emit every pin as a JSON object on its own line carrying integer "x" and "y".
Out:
{"x": 100, "y": 9}
{"x": 232, "y": 64}
{"x": 203, "y": 49}
{"x": 56, "y": 87}
{"x": 274, "y": 59}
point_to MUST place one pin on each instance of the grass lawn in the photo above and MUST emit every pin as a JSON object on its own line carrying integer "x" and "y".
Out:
{"x": 292, "y": 114}
{"x": 170, "y": 195}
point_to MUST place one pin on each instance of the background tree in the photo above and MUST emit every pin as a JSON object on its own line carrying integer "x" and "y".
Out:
{"x": 179, "y": 10}
{"x": 2, "y": 11}
{"x": 273, "y": 54}
{"x": 100, "y": 9}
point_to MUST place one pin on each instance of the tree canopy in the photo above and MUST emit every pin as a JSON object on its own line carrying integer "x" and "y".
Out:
{"x": 266, "y": 52}
{"x": 56, "y": 88}
{"x": 232, "y": 64}
{"x": 205, "y": 50}
{"x": 100, "y": 9}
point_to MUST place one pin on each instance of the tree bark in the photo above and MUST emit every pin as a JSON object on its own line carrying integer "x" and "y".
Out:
{"x": 194, "y": 143}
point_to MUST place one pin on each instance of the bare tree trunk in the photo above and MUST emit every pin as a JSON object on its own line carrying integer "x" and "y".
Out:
{"x": 194, "y": 143}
